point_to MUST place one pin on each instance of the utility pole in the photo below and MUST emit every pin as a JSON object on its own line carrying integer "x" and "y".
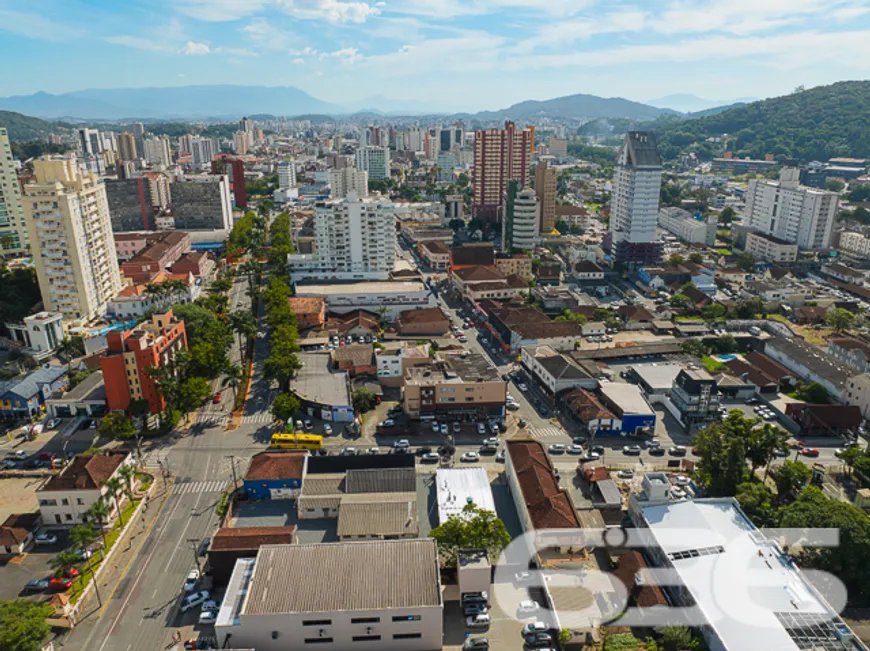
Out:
{"x": 193, "y": 544}
{"x": 232, "y": 459}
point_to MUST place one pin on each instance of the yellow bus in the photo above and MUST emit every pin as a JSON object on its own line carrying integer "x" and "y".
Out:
{"x": 296, "y": 441}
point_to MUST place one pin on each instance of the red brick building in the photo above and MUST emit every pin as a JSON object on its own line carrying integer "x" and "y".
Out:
{"x": 132, "y": 352}
{"x": 310, "y": 311}
{"x": 429, "y": 321}
{"x": 237, "y": 176}
{"x": 156, "y": 256}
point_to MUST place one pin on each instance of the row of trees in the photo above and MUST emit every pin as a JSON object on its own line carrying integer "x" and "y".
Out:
{"x": 280, "y": 243}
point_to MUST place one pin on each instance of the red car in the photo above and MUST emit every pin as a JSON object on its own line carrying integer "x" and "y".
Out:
{"x": 796, "y": 445}
{"x": 810, "y": 452}
{"x": 217, "y": 398}
{"x": 59, "y": 584}
{"x": 47, "y": 456}
{"x": 71, "y": 572}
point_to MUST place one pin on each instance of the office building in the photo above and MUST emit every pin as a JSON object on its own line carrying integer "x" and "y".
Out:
{"x": 545, "y": 188}
{"x": 286, "y": 175}
{"x": 520, "y": 218}
{"x": 71, "y": 239}
{"x": 458, "y": 385}
{"x": 346, "y": 596}
{"x": 235, "y": 169}
{"x": 133, "y": 353}
{"x": 202, "y": 150}
{"x": 127, "y": 147}
{"x": 693, "y": 229}
{"x": 791, "y": 212}
{"x": 202, "y": 202}
{"x": 348, "y": 179}
{"x": 375, "y": 161}
{"x": 354, "y": 239}
{"x": 90, "y": 141}
{"x": 130, "y": 204}
{"x": 13, "y": 229}
{"x": 158, "y": 152}
{"x": 742, "y": 165}
{"x": 500, "y": 155}
{"x": 695, "y": 395}
{"x": 138, "y": 130}
{"x": 769, "y": 248}
{"x": 634, "y": 208}
{"x": 558, "y": 147}
{"x": 240, "y": 143}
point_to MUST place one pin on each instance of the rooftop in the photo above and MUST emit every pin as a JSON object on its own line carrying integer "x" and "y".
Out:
{"x": 383, "y": 518}
{"x": 317, "y": 383}
{"x": 549, "y": 506}
{"x": 306, "y": 304}
{"x": 384, "y": 287}
{"x": 250, "y": 538}
{"x": 815, "y": 359}
{"x": 422, "y": 315}
{"x": 627, "y": 397}
{"x": 91, "y": 388}
{"x": 277, "y": 465}
{"x": 465, "y": 368}
{"x": 386, "y": 574}
{"x": 658, "y": 378}
{"x": 458, "y": 487}
{"x": 86, "y": 472}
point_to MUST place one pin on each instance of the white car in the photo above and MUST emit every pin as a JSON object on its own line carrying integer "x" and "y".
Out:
{"x": 557, "y": 448}
{"x": 435, "y": 426}
{"x": 373, "y": 451}
{"x": 444, "y": 428}
{"x": 389, "y": 422}
{"x": 625, "y": 474}
{"x": 481, "y": 428}
{"x": 522, "y": 387}
{"x": 534, "y": 627}
{"x": 478, "y": 621}
{"x": 513, "y": 405}
{"x": 575, "y": 449}
{"x": 45, "y": 539}
{"x": 528, "y": 606}
{"x": 327, "y": 429}
{"x": 402, "y": 444}
{"x": 681, "y": 480}
{"x": 430, "y": 457}
{"x": 470, "y": 457}
{"x": 191, "y": 580}
{"x": 51, "y": 424}
{"x": 208, "y": 615}
{"x": 194, "y": 600}
{"x": 491, "y": 441}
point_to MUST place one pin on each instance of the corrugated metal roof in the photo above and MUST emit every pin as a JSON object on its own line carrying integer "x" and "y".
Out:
{"x": 391, "y": 480}
{"x": 316, "y": 578}
{"x": 326, "y": 484}
{"x": 378, "y": 519}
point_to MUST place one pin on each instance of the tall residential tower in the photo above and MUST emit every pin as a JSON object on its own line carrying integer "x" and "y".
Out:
{"x": 13, "y": 230}
{"x": 500, "y": 155}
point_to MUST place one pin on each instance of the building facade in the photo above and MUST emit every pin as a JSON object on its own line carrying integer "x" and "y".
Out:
{"x": 500, "y": 155}
{"x": 13, "y": 227}
{"x": 696, "y": 396}
{"x": 127, "y": 147}
{"x": 634, "y": 210}
{"x": 521, "y": 217}
{"x": 769, "y": 248}
{"x": 791, "y": 212}
{"x": 689, "y": 228}
{"x": 203, "y": 203}
{"x": 158, "y": 153}
{"x": 348, "y": 179}
{"x": 375, "y": 161}
{"x": 546, "y": 189}
{"x": 72, "y": 243}
{"x": 387, "y": 297}
{"x": 457, "y": 387}
{"x": 286, "y": 175}
{"x": 857, "y": 244}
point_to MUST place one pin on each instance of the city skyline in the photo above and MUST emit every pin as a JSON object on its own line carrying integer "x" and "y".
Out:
{"x": 441, "y": 55}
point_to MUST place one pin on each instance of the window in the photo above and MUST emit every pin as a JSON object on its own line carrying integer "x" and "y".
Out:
{"x": 407, "y": 636}
{"x": 64, "y": 502}
{"x": 407, "y": 618}
{"x": 365, "y": 620}
{"x": 68, "y": 516}
{"x": 366, "y": 638}
{"x": 316, "y": 622}
{"x": 80, "y": 501}
{"x": 318, "y": 640}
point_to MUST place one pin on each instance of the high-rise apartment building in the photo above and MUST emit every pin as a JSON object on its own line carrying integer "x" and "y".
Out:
{"x": 202, "y": 150}
{"x": 634, "y": 204}
{"x": 235, "y": 168}
{"x": 185, "y": 144}
{"x": 354, "y": 238}
{"x": 127, "y": 147}
{"x": 521, "y": 218}
{"x": 202, "y": 203}
{"x": 240, "y": 143}
{"x": 157, "y": 151}
{"x": 346, "y": 180}
{"x": 791, "y": 212}
{"x": 138, "y": 130}
{"x": 13, "y": 229}
{"x": 414, "y": 140}
{"x": 90, "y": 141}
{"x": 71, "y": 239}
{"x": 286, "y": 175}
{"x": 500, "y": 155}
{"x": 375, "y": 161}
{"x": 545, "y": 188}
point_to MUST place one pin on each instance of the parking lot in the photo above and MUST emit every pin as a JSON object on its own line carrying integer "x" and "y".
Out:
{"x": 35, "y": 564}
{"x": 282, "y": 513}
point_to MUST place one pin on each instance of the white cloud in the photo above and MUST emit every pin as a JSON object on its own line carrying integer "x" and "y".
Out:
{"x": 194, "y": 49}
{"x": 139, "y": 43}
{"x": 306, "y": 51}
{"x": 36, "y": 26}
{"x": 850, "y": 13}
{"x": 455, "y": 8}
{"x": 332, "y": 11}
{"x": 347, "y": 56}
{"x": 298, "y": 61}
{"x": 220, "y": 10}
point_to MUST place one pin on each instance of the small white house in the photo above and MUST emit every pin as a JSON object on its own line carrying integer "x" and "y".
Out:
{"x": 592, "y": 328}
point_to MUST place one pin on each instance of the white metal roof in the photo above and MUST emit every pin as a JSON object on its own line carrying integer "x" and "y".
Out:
{"x": 456, "y": 486}
{"x": 627, "y": 397}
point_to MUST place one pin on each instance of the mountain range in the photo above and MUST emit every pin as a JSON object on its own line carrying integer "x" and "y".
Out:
{"x": 688, "y": 103}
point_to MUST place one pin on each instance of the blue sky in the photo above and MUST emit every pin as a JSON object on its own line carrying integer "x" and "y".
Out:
{"x": 444, "y": 54}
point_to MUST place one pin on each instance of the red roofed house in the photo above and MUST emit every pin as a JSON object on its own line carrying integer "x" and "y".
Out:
{"x": 65, "y": 498}
{"x": 824, "y": 420}
{"x": 310, "y": 311}
{"x": 230, "y": 544}
{"x": 643, "y": 593}
{"x": 17, "y": 532}
{"x": 276, "y": 475}
{"x": 427, "y": 321}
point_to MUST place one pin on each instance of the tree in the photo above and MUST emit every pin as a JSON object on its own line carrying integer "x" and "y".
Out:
{"x": 222, "y": 285}
{"x": 22, "y": 624}
{"x": 839, "y": 319}
{"x": 791, "y": 477}
{"x": 115, "y": 486}
{"x": 834, "y": 185}
{"x": 724, "y": 448}
{"x": 714, "y": 312}
{"x": 233, "y": 378}
{"x": 63, "y": 562}
{"x": 697, "y": 257}
{"x": 860, "y": 193}
{"x": 116, "y": 426}
{"x": 82, "y": 537}
{"x": 363, "y": 400}
{"x": 812, "y": 393}
{"x": 284, "y": 406}
{"x": 100, "y": 512}
{"x": 127, "y": 473}
{"x": 474, "y": 528}
{"x": 191, "y": 393}
{"x": 679, "y": 300}
{"x": 727, "y": 215}
{"x": 694, "y": 347}
{"x": 68, "y": 349}
{"x": 568, "y": 315}
{"x": 676, "y": 260}
{"x": 746, "y": 261}
{"x": 762, "y": 444}
{"x": 724, "y": 345}
{"x": 565, "y": 636}
{"x": 749, "y": 308}
{"x": 456, "y": 224}
{"x": 676, "y": 638}
{"x": 756, "y": 500}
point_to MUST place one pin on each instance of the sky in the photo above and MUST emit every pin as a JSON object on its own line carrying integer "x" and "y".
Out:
{"x": 438, "y": 54}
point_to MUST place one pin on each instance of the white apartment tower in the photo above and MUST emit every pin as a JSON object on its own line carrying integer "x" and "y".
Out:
{"x": 202, "y": 150}
{"x": 345, "y": 180}
{"x": 634, "y": 206}
{"x": 521, "y": 218}
{"x": 71, "y": 239}
{"x": 791, "y": 212}
{"x": 90, "y": 141}
{"x": 13, "y": 230}
{"x": 240, "y": 143}
{"x": 286, "y": 175}
{"x": 157, "y": 151}
{"x": 375, "y": 161}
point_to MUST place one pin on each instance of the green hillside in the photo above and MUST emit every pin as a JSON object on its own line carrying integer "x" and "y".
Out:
{"x": 23, "y": 127}
{"x": 815, "y": 124}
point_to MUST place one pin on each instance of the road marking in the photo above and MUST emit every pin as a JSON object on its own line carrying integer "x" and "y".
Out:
{"x": 545, "y": 432}
{"x": 184, "y": 488}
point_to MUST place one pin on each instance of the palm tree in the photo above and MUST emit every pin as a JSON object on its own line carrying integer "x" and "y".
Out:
{"x": 82, "y": 537}
{"x": 115, "y": 485}
{"x": 243, "y": 324}
{"x": 65, "y": 560}
{"x": 233, "y": 378}
{"x": 67, "y": 347}
{"x": 100, "y": 511}
{"x": 127, "y": 473}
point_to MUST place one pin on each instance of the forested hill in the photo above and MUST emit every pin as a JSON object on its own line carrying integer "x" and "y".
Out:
{"x": 23, "y": 127}
{"x": 816, "y": 124}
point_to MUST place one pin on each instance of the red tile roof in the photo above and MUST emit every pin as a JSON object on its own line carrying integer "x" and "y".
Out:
{"x": 86, "y": 472}
{"x": 645, "y": 594}
{"x": 251, "y": 538}
{"x": 17, "y": 527}
{"x": 549, "y": 506}
{"x": 276, "y": 465}
{"x": 423, "y": 315}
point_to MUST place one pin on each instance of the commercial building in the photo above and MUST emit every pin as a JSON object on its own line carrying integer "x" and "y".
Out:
{"x": 749, "y": 592}
{"x": 71, "y": 239}
{"x": 130, "y": 204}
{"x": 851, "y": 351}
{"x": 436, "y": 254}
{"x": 228, "y": 545}
{"x": 546, "y": 189}
{"x": 456, "y": 488}
{"x": 202, "y": 203}
{"x": 386, "y": 297}
{"x": 132, "y": 354}
{"x": 87, "y": 398}
{"x": 518, "y": 327}
{"x": 696, "y": 396}
{"x": 66, "y": 497}
{"x": 629, "y": 405}
{"x": 517, "y": 264}
{"x": 322, "y": 392}
{"x": 355, "y": 240}
{"x": 555, "y": 371}
{"x": 310, "y": 311}
{"x": 235, "y": 168}
{"x": 275, "y": 475}
{"x": 457, "y": 387}
{"x": 89, "y": 141}
{"x": 286, "y": 175}
{"x": 293, "y": 596}
{"x": 158, "y": 152}
{"x": 742, "y": 165}
{"x": 791, "y": 212}
{"x": 500, "y": 155}
{"x": 856, "y": 392}
{"x": 375, "y": 161}
{"x": 694, "y": 229}
{"x": 13, "y": 228}
{"x": 478, "y": 283}
{"x": 165, "y": 248}
{"x": 806, "y": 362}
{"x": 769, "y": 248}
{"x": 398, "y": 356}
{"x": 425, "y": 322}
{"x": 520, "y": 218}
{"x": 634, "y": 209}
{"x": 39, "y": 334}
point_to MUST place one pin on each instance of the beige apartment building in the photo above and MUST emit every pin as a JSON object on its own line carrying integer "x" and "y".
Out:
{"x": 514, "y": 265}
{"x": 857, "y": 392}
{"x": 500, "y": 155}
{"x": 770, "y": 248}
{"x": 13, "y": 234}
{"x": 71, "y": 240}
{"x": 545, "y": 188}
{"x": 457, "y": 387}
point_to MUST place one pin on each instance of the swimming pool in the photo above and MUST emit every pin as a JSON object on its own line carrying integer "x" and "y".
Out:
{"x": 124, "y": 325}
{"x": 727, "y": 358}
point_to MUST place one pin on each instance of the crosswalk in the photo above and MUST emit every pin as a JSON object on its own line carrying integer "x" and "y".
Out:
{"x": 545, "y": 432}
{"x": 211, "y": 419}
{"x": 185, "y": 487}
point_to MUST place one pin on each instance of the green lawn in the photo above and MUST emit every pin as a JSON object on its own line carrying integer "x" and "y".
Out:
{"x": 723, "y": 251}
{"x": 713, "y": 365}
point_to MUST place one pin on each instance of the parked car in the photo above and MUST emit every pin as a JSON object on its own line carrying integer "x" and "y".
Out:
{"x": 810, "y": 452}
{"x": 475, "y": 608}
{"x": 475, "y": 643}
{"x": 590, "y": 456}
{"x": 534, "y": 627}
{"x": 444, "y": 429}
{"x": 457, "y": 428}
{"x": 681, "y": 480}
{"x": 216, "y": 400}
{"x": 598, "y": 449}
{"x": 468, "y": 597}
{"x": 208, "y": 616}
{"x": 45, "y": 539}
{"x": 574, "y": 449}
{"x": 59, "y": 584}
{"x": 71, "y": 572}
{"x": 84, "y": 554}
{"x": 9, "y": 464}
{"x": 500, "y": 456}
{"x": 327, "y": 429}
{"x": 430, "y": 457}
{"x": 35, "y": 585}
{"x": 389, "y": 422}
{"x": 625, "y": 474}
{"x": 373, "y": 451}
{"x": 435, "y": 426}
{"x": 401, "y": 444}
{"x": 678, "y": 451}
{"x": 481, "y": 429}
{"x": 631, "y": 449}
{"x": 528, "y": 606}
{"x": 18, "y": 454}
{"x": 46, "y": 456}
{"x": 470, "y": 457}
{"x": 478, "y": 621}
{"x": 538, "y": 640}
{"x": 780, "y": 452}
{"x": 194, "y": 600}
{"x": 308, "y": 424}
{"x": 652, "y": 443}
{"x": 52, "y": 423}
{"x": 556, "y": 448}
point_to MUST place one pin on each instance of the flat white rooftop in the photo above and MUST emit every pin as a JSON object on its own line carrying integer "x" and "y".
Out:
{"x": 627, "y": 397}
{"x": 743, "y": 583}
{"x": 457, "y": 486}
{"x": 355, "y": 289}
